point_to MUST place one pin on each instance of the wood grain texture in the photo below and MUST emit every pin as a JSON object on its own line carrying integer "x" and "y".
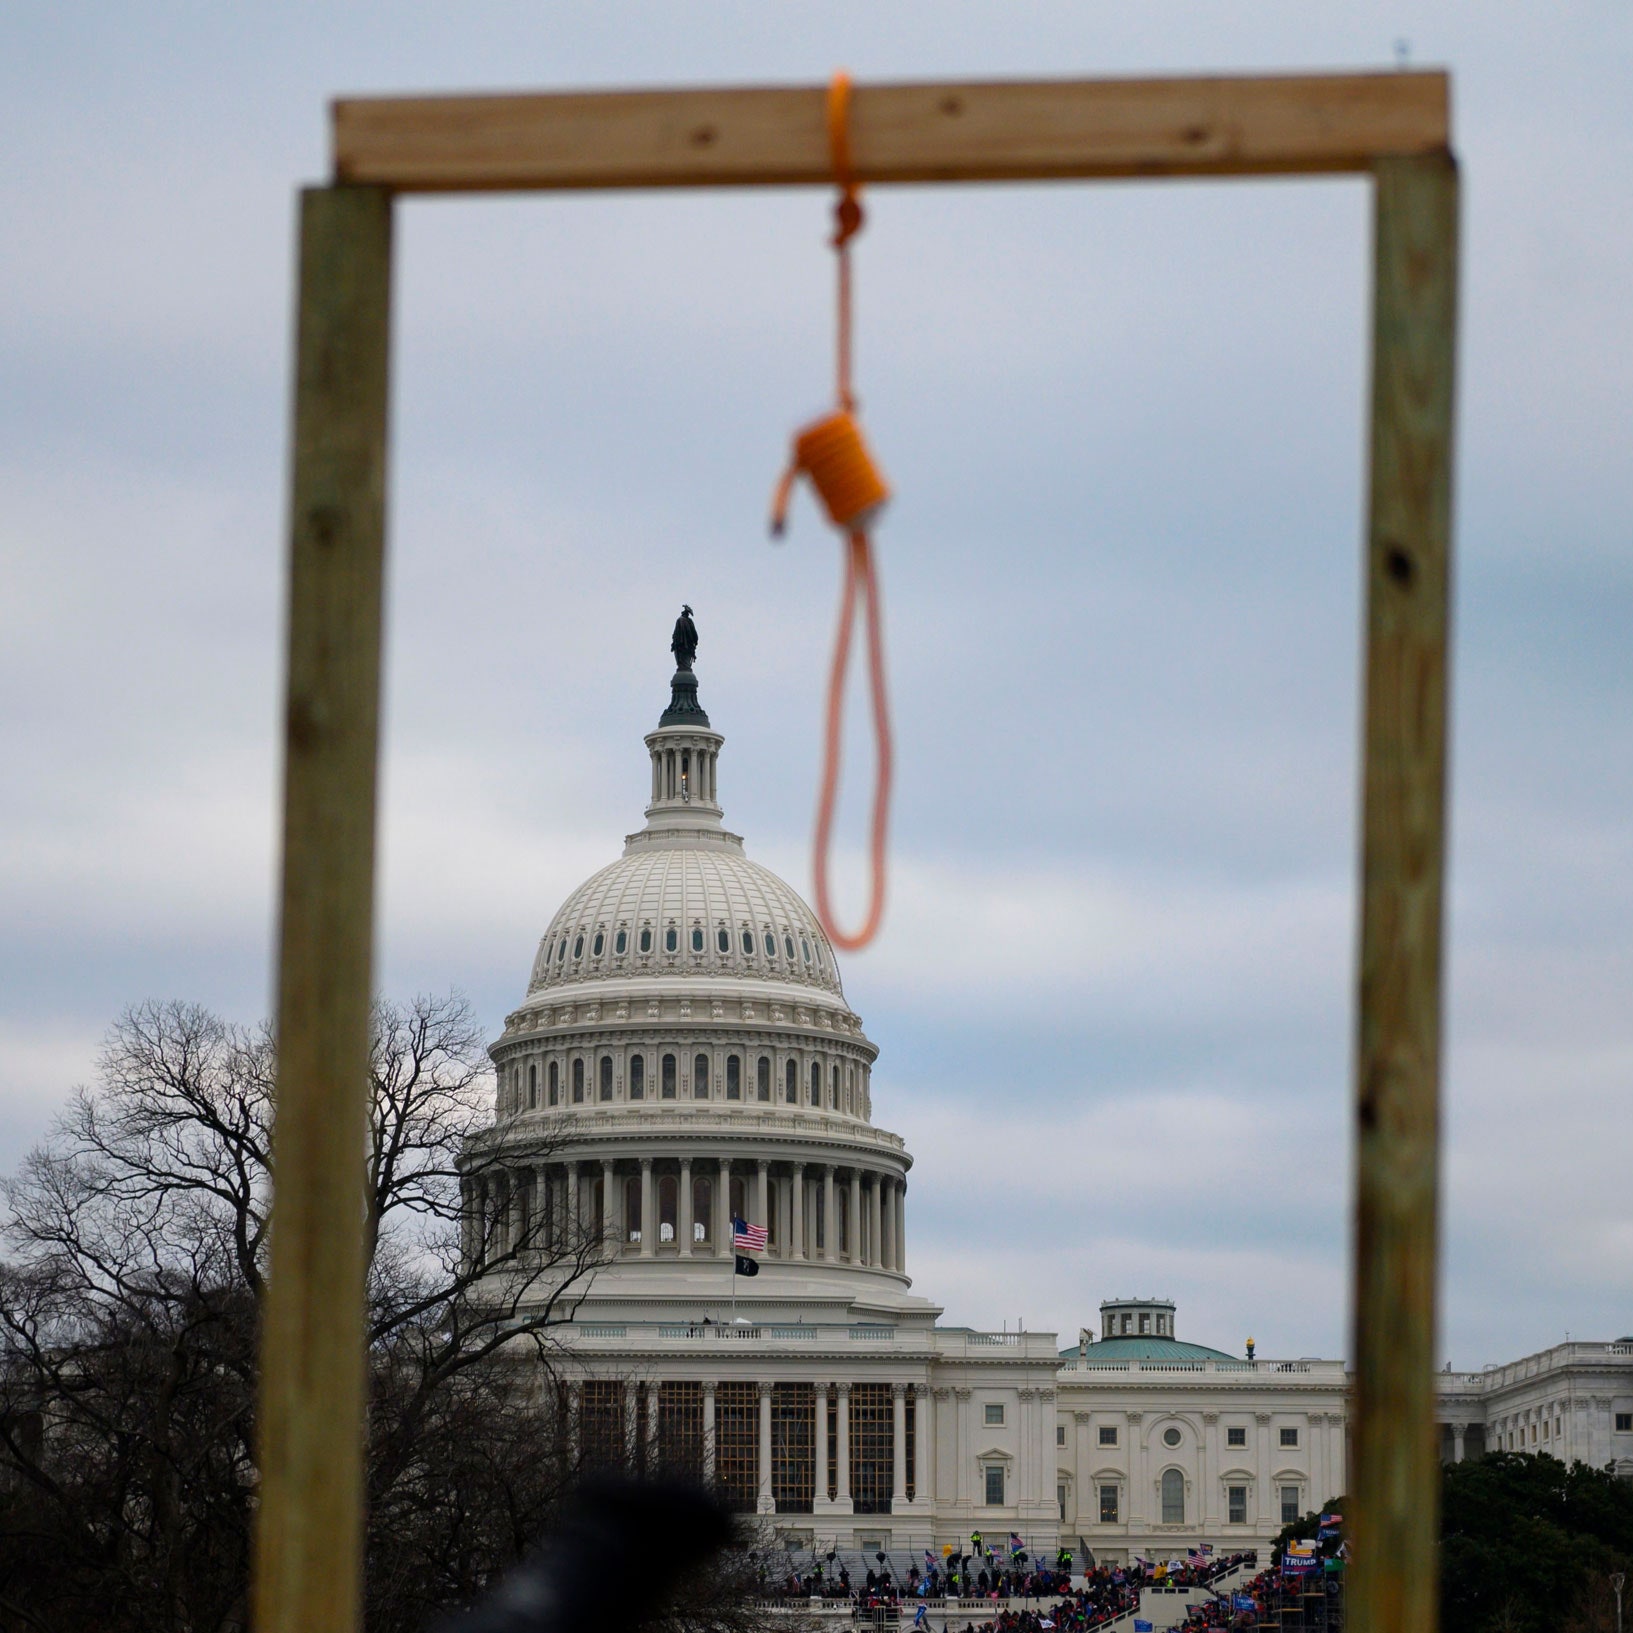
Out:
{"x": 1395, "y": 1482}
{"x": 310, "y": 1440}
{"x": 982, "y": 131}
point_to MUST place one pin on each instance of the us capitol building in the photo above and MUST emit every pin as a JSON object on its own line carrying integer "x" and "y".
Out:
{"x": 685, "y": 1052}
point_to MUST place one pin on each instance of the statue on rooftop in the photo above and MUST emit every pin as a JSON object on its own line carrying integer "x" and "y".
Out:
{"x": 683, "y": 643}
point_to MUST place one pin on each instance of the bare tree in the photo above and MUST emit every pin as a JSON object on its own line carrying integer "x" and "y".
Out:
{"x": 128, "y": 1319}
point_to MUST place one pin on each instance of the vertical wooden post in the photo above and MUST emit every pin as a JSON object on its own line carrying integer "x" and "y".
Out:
{"x": 308, "y": 1566}
{"x": 1396, "y": 1479}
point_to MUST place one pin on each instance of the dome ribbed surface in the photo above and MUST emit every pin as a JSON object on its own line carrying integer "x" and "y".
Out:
{"x": 689, "y": 890}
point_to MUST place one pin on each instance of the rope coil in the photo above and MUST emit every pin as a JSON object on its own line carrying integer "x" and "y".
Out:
{"x": 833, "y": 453}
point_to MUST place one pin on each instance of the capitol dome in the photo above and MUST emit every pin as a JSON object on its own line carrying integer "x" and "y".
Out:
{"x": 683, "y": 1057}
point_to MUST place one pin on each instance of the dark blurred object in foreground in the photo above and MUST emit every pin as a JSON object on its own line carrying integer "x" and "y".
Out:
{"x": 581, "y": 1575}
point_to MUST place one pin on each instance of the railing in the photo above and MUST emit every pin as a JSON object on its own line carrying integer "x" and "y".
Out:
{"x": 1332, "y": 1371}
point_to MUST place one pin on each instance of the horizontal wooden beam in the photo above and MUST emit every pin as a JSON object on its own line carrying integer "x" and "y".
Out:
{"x": 1038, "y": 130}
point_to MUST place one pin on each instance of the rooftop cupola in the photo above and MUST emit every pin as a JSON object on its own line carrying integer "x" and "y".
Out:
{"x": 685, "y": 802}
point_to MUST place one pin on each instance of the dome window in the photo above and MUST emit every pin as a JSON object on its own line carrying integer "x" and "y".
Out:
{"x": 561, "y": 951}
{"x": 791, "y": 1083}
{"x": 646, "y": 938}
{"x": 734, "y": 1078}
{"x": 788, "y": 945}
{"x": 637, "y": 1077}
{"x": 544, "y": 957}
{"x": 668, "y": 1077}
{"x": 770, "y": 945}
{"x": 599, "y": 945}
{"x": 555, "y": 1085}
{"x": 578, "y": 945}
{"x": 578, "y": 1082}
{"x": 805, "y": 947}
{"x": 700, "y": 1077}
{"x": 697, "y": 938}
{"x": 620, "y": 943}
{"x": 606, "y": 1077}
{"x": 748, "y": 943}
{"x": 762, "y": 1078}
{"x": 671, "y": 939}
{"x": 723, "y": 939}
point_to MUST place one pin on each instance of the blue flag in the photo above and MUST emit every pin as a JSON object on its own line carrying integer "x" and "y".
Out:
{"x": 1141, "y": 1627}
{"x": 1242, "y": 1601}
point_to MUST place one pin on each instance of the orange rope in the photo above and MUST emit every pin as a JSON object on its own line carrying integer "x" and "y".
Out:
{"x": 859, "y": 575}
{"x": 833, "y": 453}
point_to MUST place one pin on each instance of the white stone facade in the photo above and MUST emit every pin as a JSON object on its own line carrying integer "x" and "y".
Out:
{"x": 685, "y": 1051}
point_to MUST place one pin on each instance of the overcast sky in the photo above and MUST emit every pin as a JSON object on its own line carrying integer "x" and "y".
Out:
{"x": 1125, "y": 427}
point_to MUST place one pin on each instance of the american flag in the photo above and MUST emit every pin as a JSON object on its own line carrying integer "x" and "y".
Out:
{"x": 747, "y": 1238}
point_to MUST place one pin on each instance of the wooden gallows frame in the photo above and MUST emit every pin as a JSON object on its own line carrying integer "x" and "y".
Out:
{"x": 1392, "y": 127}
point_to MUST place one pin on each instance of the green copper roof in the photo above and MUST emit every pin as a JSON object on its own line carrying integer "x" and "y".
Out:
{"x": 1136, "y": 1348}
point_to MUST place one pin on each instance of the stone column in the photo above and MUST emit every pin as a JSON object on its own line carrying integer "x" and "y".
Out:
{"x": 924, "y": 1444}
{"x": 684, "y": 1210}
{"x": 649, "y": 1218}
{"x": 1457, "y": 1447}
{"x": 898, "y": 1449}
{"x": 575, "y": 1219}
{"x": 1139, "y": 1499}
{"x": 900, "y": 1194}
{"x": 796, "y": 1213}
{"x": 964, "y": 1469}
{"x": 651, "y": 1425}
{"x": 842, "y": 1450}
{"x": 830, "y": 1220}
{"x": 632, "y": 1422}
{"x": 875, "y": 1222}
{"x": 1268, "y": 1502}
{"x": 821, "y": 1501}
{"x": 887, "y": 1224}
{"x": 609, "y": 1214}
{"x": 766, "y": 1505}
{"x": 761, "y": 1192}
{"x": 722, "y": 1212}
{"x": 1208, "y": 1467}
{"x": 853, "y": 1254}
{"x": 708, "y": 1431}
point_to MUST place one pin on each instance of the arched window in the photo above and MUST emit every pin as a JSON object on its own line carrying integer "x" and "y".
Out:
{"x": 700, "y": 1077}
{"x": 561, "y": 951}
{"x": 632, "y": 1208}
{"x": 668, "y": 1088}
{"x": 697, "y": 938}
{"x": 702, "y": 1208}
{"x": 762, "y": 1078}
{"x": 805, "y": 947}
{"x": 833, "y": 1089}
{"x": 606, "y": 1077}
{"x": 770, "y": 945}
{"x": 646, "y": 938}
{"x": 668, "y": 1199}
{"x": 637, "y": 1077}
{"x": 555, "y": 1086}
{"x": 748, "y": 943}
{"x": 791, "y": 1087}
{"x": 1173, "y": 1497}
{"x": 722, "y": 939}
{"x": 599, "y": 945}
{"x": 734, "y": 1077}
{"x": 671, "y": 939}
{"x": 578, "y": 945}
{"x": 620, "y": 942}
{"x": 788, "y": 946}
{"x": 532, "y": 1084}
{"x": 816, "y": 1083}
{"x": 578, "y": 1079}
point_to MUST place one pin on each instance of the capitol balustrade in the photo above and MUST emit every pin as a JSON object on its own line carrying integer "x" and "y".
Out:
{"x": 1315, "y": 1372}
{"x": 711, "y": 1118}
{"x": 671, "y": 1337}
